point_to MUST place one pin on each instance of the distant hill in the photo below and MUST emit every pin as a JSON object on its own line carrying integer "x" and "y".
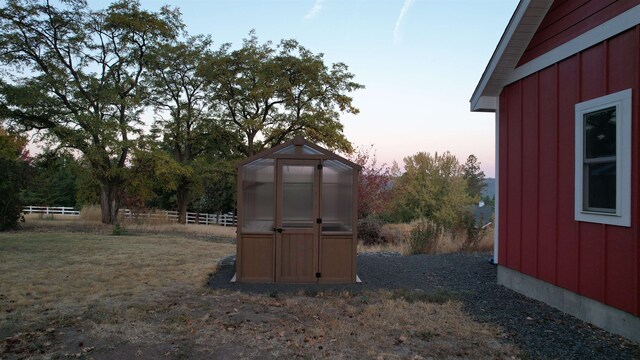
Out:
{"x": 490, "y": 190}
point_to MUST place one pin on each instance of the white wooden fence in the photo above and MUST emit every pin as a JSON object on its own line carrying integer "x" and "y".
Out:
{"x": 192, "y": 218}
{"x": 54, "y": 210}
{"x": 171, "y": 216}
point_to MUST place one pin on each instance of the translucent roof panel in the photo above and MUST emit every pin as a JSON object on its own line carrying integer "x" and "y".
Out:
{"x": 291, "y": 149}
{"x": 309, "y": 150}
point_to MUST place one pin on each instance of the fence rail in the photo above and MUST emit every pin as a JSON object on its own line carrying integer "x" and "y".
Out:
{"x": 51, "y": 210}
{"x": 228, "y": 219}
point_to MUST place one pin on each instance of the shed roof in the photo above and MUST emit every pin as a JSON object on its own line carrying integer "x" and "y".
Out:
{"x": 314, "y": 151}
{"x": 514, "y": 41}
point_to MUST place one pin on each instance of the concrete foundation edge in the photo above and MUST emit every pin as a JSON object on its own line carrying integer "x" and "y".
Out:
{"x": 591, "y": 311}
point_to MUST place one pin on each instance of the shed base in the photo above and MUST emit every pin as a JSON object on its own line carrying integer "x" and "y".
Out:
{"x": 602, "y": 315}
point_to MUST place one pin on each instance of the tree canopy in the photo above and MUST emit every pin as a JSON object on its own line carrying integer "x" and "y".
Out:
{"x": 432, "y": 187}
{"x": 77, "y": 76}
{"x": 186, "y": 118}
{"x": 81, "y": 80}
{"x": 474, "y": 177}
{"x": 13, "y": 168}
{"x": 269, "y": 94}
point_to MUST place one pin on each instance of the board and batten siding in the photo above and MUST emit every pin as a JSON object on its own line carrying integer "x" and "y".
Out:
{"x": 536, "y": 134}
{"x": 567, "y": 19}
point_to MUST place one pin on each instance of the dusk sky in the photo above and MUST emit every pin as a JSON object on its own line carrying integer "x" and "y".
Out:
{"x": 419, "y": 60}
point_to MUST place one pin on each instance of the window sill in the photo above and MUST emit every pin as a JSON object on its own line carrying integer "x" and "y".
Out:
{"x": 603, "y": 218}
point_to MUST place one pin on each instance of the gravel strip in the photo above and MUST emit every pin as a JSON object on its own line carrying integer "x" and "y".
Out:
{"x": 540, "y": 330}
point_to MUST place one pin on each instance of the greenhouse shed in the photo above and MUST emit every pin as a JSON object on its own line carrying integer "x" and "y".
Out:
{"x": 297, "y": 216}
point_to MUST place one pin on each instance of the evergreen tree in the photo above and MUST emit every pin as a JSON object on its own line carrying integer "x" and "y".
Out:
{"x": 474, "y": 177}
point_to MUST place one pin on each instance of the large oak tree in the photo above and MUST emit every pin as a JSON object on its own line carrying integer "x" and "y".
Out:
{"x": 75, "y": 75}
{"x": 186, "y": 117}
{"x": 269, "y": 94}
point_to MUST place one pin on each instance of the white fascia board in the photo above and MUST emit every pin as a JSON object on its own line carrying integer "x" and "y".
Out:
{"x": 485, "y": 104}
{"x": 498, "y": 53}
{"x": 602, "y": 32}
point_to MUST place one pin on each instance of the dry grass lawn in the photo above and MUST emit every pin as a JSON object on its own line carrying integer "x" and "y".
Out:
{"x": 85, "y": 224}
{"x": 94, "y": 295}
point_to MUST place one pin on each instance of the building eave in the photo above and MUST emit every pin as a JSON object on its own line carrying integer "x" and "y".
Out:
{"x": 514, "y": 41}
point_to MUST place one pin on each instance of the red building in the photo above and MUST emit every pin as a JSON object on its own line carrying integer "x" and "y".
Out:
{"x": 564, "y": 83}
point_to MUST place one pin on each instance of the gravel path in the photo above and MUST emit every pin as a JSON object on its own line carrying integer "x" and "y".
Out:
{"x": 540, "y": 330}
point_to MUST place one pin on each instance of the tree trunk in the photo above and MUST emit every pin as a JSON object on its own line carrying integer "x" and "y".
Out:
{"x": 249, "y": 145}
{"x": 183, "y": 200}
{"x": 109, "y": 203}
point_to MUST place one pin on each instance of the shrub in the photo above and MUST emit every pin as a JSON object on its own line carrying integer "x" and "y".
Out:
{"x": 423, "y": 238}
{"x": 117, "y": 230}
{"x": 91, "y": 213}
{"x": 369, "y": 230}
{"x": 394, "y": 234}
{"x": 474, "y": 233}
{"x": 11, "y": 182}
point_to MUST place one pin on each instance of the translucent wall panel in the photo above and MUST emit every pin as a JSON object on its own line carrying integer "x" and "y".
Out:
{"x": 258, "y": 196}
{"x": 337, "y": 195}
{"x": 297, "y": 196}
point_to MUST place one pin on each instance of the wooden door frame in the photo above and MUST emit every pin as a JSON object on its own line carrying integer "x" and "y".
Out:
{"x": 316, "y": 228}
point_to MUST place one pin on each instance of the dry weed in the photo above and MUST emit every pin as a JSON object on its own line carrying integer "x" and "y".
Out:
{"x": 397, "y": 240}
{"x": 91, "y": 213}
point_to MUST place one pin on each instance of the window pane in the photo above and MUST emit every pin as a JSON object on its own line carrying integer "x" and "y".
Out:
{"x": 258, "y": 196}
{"x": 337, "y": 190}
{"x": 297, "y": 196}
{"x": 601, "y": 186}
{"x": 600, "y": 133}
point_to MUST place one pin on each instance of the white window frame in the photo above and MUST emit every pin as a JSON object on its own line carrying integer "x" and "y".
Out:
{"x": 622, "y": 214}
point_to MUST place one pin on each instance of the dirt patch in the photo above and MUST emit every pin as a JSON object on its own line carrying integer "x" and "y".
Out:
{"x": 220, "y": 324}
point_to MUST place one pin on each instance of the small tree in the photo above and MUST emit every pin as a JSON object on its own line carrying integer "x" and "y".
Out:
{"x": 474, "y": 177}
{"x": 432, "y": 187}
{"x": 12, "y": 180}
{"x": 52, "y": 180}
{"x": 374, "y": 183}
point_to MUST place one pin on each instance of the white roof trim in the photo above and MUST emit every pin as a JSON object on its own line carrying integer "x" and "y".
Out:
{"x": 502, "y": 69}
{"x": 600, "y": 33}
{"x": 513, "y": 43}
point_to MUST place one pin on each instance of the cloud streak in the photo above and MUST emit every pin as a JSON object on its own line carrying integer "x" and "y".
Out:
{"x": 318, "y": 5}
{"x": 405, "y": 9}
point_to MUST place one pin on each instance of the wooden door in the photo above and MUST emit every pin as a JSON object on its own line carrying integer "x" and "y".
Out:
{"x": 297, "y": 231}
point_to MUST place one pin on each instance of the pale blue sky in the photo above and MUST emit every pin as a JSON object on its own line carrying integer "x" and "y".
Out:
{"x": 419, "y": 60}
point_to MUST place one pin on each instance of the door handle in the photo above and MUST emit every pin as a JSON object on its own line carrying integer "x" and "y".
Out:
{"x": 280, "y": 230}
